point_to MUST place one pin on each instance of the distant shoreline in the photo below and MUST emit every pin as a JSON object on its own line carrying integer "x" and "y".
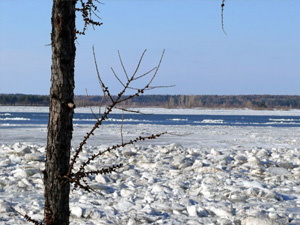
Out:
{"x": 254, "y": 102}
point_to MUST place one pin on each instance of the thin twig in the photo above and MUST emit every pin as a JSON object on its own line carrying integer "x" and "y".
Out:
{"x": 124, "y": 69}
{"x": 157, "y": 68}
{"x": 139, "y": 63}
{"x": 155, "y": 87}
{"x": 122, "y": 137}
{"x": 134, "y": 111}
{"x": 103, "y": 87}
{"x": 92, "y": 111}
{"x": 26, "y": 217}
{"x": 114, "y": 73}
{"x": 97, "y": 70}
{"x": 222, "y": 15}
{"x": 139, "y": 77}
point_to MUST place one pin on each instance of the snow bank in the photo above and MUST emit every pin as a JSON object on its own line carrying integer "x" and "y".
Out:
{"x": 207, "y": 175}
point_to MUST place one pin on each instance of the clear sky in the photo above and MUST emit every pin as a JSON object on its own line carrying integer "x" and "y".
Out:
{"x": 259, "y": 55}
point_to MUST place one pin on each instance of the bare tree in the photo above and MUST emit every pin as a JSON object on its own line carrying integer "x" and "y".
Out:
{"x": 59, "y": 172}
{"x": 61, "y": 106}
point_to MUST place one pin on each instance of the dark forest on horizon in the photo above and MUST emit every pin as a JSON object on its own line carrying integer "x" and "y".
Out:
{"x": 168, "y": 101}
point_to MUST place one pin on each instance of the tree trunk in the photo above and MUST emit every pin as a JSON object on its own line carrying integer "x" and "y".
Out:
{"x": 61, "y": 113}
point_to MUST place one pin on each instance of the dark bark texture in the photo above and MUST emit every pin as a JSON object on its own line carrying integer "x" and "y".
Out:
{"x": 61, "y": 114}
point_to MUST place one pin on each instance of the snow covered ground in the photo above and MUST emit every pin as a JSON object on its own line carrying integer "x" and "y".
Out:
{"x": 193, "y": 175}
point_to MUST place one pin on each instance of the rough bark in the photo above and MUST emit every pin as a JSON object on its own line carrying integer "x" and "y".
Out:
{"x": 61, "y": 114}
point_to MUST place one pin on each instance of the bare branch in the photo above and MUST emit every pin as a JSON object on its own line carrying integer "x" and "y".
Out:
{"x": 92, "y": 111}
{"x": 124, "y": 69}
{"x": 114, "y": 147}
{"x": 78, "y": 178}
{"x": 129, "y": 97}
{"x": 145, "y": 74}
{"x": 112, "y": 69}
{"x": 87, "y": 8}
{"x": 26, "y": 217}
{"x": 139, "y": 63}
{"x": 157, "y": 68}
{"x": 133, "y": 111}
{"x": 98, "y": 73}
{"x": 122, "y": 137}
{"x": 90, "y": 133}
{"x": 104, "y": 89}
{"x": 222, "y": 15}
{"x": 155, "y": 87}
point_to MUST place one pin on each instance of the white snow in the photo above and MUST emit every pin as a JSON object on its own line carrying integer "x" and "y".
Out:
{"x": 193, "y": 175}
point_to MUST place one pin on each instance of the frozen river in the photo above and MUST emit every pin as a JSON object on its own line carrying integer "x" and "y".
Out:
{"x": 195, "y": 174}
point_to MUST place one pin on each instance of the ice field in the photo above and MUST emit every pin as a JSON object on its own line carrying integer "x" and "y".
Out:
{"x": 193, "y": 175}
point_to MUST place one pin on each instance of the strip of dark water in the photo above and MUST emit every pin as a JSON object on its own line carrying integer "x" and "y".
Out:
{"x": 22, "y": 119}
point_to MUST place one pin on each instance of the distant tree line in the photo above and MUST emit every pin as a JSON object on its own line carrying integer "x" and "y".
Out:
{"x": 169, "y": 101}
{"x": 24, "y": 100}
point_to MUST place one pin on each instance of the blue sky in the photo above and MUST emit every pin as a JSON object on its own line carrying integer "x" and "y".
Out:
{"x": 259, "y": 55}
